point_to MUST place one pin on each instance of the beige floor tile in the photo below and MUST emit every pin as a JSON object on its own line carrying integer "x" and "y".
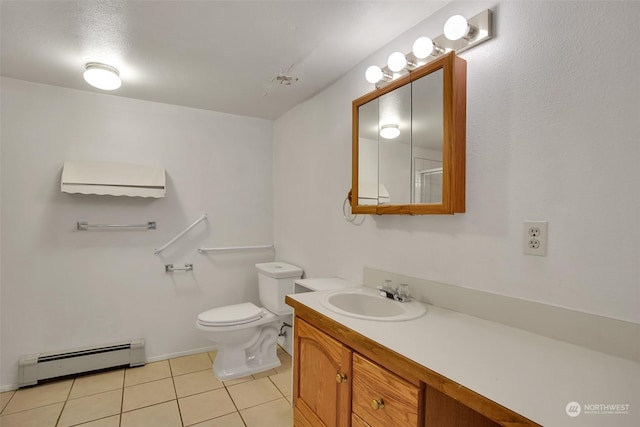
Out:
{"x": 254, "y": 393}
{"x": 284, "y": 382}
{"x": 264, "y": 374}
{"x": 44, "y": 416}
{"x": 286, "y": 363}
{"x": 99, "y": 383}
{"x": 5, "y": 398}
{"x": 229, "y": 383}
{"x": 147, "y": 373}
{"x": 113, "y": 421}
{"x": 213, "y": 354}
{"x": 196, "y": 382}
{"x": 277, "y": 413}
{"x": 148, "y": 394}
{"x": 40, "y": 395}
{"x": 187, "y": 364}
{"x": 205, "y": 406}
{"x": 91, "y": 408}
{"x": 161, "y": 415}
{"x": 231, "y": 420}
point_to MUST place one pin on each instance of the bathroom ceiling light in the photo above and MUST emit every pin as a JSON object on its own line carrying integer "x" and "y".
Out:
{"x": 390, "y": 131}
{"x": 457, "y": 28}
{"x": 102, "y": 76}
{"x": 459, "y": 35}
{"x": 397, "y": 61}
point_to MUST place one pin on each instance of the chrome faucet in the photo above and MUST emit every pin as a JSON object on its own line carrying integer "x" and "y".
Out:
{"x": 400, "y": 293}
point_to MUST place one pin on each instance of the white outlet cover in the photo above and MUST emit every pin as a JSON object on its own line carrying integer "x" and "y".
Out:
{"x": 535, "y": 235}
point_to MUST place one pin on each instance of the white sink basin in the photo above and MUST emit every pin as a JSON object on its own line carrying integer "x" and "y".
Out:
{"x": 366, "y": 303}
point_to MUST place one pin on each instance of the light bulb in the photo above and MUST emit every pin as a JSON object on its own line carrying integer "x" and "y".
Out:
{"x": 102, "y": 76}
{"x": 373, "y": 74}
{"x": 456, "y": 27}
{"x": 390, "y": 131}
{"x": 396, "y": 61}
{"x": 422, "y": 47}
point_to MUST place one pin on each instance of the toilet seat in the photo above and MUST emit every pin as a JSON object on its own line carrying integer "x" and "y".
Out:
{"x": 230, "y": 315}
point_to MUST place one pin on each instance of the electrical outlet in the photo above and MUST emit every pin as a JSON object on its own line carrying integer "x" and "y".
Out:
{"x": 534, "y": 238}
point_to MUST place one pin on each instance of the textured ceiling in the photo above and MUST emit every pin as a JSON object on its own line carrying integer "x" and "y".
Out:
{"x": 216, "y": 55}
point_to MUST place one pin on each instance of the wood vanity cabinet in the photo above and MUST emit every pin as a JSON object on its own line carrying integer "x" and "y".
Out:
{"x": 323, "y": 397}
{"x": 342, "y": 378}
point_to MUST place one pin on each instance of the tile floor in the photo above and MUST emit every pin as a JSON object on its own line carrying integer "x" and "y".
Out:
{"x": 178, "y": 392}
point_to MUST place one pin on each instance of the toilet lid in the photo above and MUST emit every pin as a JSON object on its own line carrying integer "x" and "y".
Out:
{"x": 231, "y": 315}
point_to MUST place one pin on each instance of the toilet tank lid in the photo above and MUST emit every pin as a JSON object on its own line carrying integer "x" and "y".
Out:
{"x": 279, "y": 270}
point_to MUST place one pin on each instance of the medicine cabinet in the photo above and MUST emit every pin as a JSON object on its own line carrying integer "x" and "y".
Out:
{"x": 409, "y": 143}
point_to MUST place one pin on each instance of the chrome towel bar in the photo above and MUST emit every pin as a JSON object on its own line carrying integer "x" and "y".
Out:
{"x": 169, "y": 268}
{"x": 83, "y": 226}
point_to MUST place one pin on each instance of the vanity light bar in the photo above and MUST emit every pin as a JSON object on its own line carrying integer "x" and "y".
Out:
{"x": 478, "y": 30}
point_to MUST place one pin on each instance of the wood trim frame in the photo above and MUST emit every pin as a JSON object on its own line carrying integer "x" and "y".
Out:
{"x": 454, "y": 139}
{"x": 408, "y": 369}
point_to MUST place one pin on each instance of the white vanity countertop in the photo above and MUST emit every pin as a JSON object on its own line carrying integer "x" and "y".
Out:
{"x": 530, "y": 374}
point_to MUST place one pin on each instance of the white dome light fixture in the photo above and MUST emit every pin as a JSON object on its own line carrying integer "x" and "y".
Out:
{"x": 397, "y": 61}
{"x": 373, "y": 74}
{"x": 422, "y": 47}
{"x": 102, "y": 76}
{"x": 459, "y": 35}
{"x": 457, "y": 27}
{"x": 390, "y": 131}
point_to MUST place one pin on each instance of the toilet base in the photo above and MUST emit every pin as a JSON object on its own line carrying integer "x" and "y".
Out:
{"x": 236, "y": 361}
{"x": 231, "y": 373}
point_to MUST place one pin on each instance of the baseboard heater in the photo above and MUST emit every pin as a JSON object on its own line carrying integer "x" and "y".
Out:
{"x": 35, "y": 367}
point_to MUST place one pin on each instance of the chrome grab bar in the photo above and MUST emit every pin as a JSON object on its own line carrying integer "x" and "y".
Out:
{"x": 236, "y": 248}
{"x": 170, "y": 242}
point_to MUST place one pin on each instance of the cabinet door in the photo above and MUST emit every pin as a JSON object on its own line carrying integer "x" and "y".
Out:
{"x": 381, "y": 398}
{"x": 322, "y": 377}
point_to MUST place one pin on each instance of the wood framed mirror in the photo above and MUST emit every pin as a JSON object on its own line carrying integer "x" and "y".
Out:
{"x": 409, "y": 145}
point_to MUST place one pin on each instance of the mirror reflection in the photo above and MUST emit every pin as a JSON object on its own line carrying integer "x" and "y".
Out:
{"x": 369, "y": 190}
{"x": 394, "y": 146}
{"x": 400, "y": 145}
{"x": 427, "y": 136}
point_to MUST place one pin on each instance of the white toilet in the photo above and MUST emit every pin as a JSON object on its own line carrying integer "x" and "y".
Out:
{"x": 246, "y": 334}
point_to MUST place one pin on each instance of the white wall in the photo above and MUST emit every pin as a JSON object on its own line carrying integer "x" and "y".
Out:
{"x": 63, "y": 288}
{"x": 552, "y": 134}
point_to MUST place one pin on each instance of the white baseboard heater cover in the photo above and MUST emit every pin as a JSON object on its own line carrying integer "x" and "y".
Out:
{"x": 41, "y": 366}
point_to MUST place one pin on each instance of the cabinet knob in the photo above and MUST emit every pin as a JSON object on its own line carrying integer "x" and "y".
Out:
{"x": 341, "y": 377}
{"x": 377, "y": 404}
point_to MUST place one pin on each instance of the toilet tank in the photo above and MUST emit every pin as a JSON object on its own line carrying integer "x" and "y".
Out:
{"x": 275, "y": 281}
